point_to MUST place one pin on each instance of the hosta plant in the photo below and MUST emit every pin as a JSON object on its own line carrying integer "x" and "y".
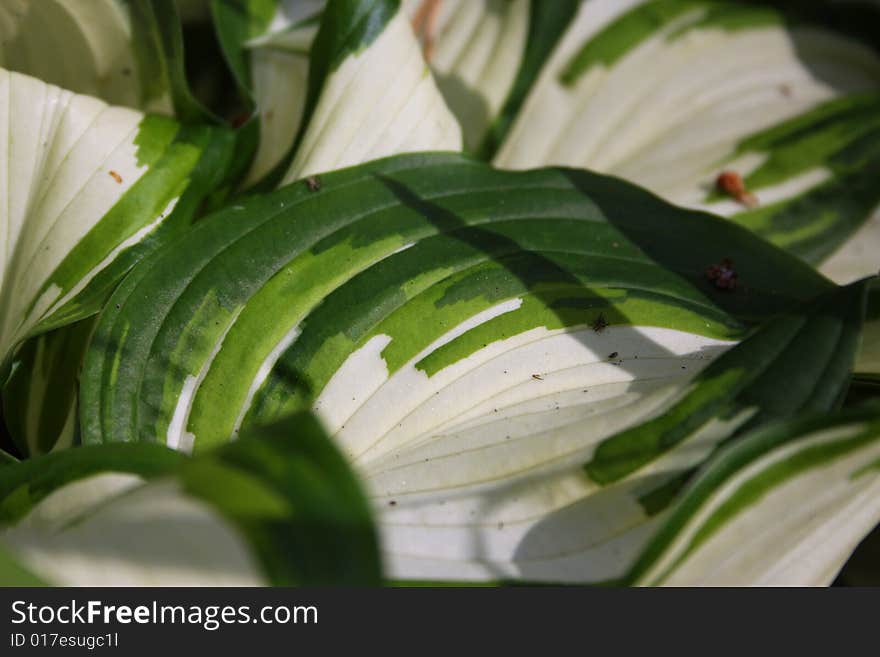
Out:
{"x": 468, "y": 291}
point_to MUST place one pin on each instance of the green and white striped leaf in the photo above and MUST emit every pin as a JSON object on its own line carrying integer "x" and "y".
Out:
{"x": 245, "y": 26}
{"x": 670, "y": 93}
{"x": 278, "y": 507}
{"x": 88, "y": 189}
{"x": 333, "y": 87}
{"x": 485, "y": 55}
{"x": 464, "y": 514}
{"x": 371, "y": 94}
{"x": 785, "y": 505}
{"x": 441, "y": 318}
{"x": 267, "y": 47}
{"x": 106, "y": 52}
{"x": 40, "y": 400}
{"x": 125, "y": 52}
{"x": 475, "y": 48}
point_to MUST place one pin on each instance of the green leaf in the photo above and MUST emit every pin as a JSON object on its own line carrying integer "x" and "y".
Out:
{"x": 5, "y": 457}
{"x": 159, "y": 36}
{"x": 332, "y": 88}
{"x": 750, "y": 385}
{"x": 446, "y": 319}
{"x": 236, "y": 22}
{"x": 547, "y": 24}
{"x": 588, "y": 524}
{"x": 25, "y": 485}
{"x": 278, "y": 507}
{"x": 671, "y": 93}
{"x": 193, "y": 11}
{"x": 12, "y": 573}
{"x": 40, "y": 398}
{"x": 462, "y": 511}
{"x": 90, "y": 190}
{"x": 267, "y": 48}
{"x": 785, "y": 505}
{"x": 868, "y": 360}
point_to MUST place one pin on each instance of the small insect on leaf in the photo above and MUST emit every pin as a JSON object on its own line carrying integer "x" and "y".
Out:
{"x": 613, "y": 354}
{"x": 537, "y": 377}
{"x": 731, "y": 183}
{"x": 313, "y": 183}
{"x": 600, "y": 323}
{"x": 116, "y": 177}
{"x": 723, "y": 275}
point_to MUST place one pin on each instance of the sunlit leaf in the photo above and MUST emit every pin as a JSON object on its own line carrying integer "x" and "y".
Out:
{"x": 785, "y": 505}
{"x": 333, "y": 89}
{"x": 470, "y": 337}
{"x": 672, "y": 93}
{"x": 89, "y": 189}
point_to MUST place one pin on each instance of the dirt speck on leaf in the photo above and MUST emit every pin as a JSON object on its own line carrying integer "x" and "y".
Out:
{"x": 732, "y": 184}
{"x": 723, "y": 275}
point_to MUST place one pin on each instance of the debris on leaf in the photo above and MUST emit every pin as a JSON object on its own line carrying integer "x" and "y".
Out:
{"x": 424, "y": 24}
{"x": 313, "y": 183}
{"x": 537, "y": 377}
{"x": 731, "y": 183}
{"x": 723, "y": 275}
{"x": 613, "y": 354}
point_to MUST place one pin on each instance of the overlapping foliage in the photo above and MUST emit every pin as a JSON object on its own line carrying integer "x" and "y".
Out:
{"x": 387, "y": 315}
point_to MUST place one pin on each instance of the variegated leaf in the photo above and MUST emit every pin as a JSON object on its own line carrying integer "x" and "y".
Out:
{"x": 125, "y": 52}
{"x": 106, "y": 52}
{"x": 89, "y": 189}
{"x": 334, "y": 89}
{"x": 279, "y": 507}
{"x": 672, "y": 93}
{"x": 370, "y": 92}
{"x": 472, "y": 339}
{"x": 40, "y": 400}
{"x": 267, "y": 46}
{"x": 486, "y": 54}
{"x": 494, "y": 499}
{"x": 785, "y": 505}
